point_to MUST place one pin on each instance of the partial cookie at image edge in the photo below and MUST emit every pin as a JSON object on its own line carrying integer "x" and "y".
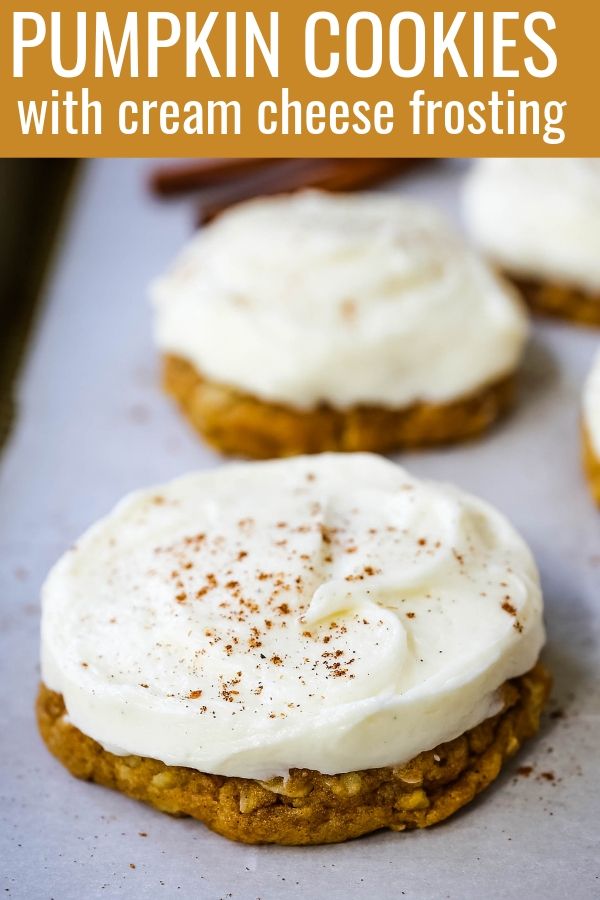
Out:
{"x": 560, "y": 301}
{"x": 591, "y": 464}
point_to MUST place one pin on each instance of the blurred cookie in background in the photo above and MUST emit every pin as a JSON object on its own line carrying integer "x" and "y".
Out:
{"x": 539, "y": 220}
{"x": 309, "y": 322}
{"x": 591, "y": 428}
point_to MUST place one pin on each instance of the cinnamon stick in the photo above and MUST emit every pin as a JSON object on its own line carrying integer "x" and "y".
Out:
{"x": 326, "y": 174}
{"x": 180, "y": 178}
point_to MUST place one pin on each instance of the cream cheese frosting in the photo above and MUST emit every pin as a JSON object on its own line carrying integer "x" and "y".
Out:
{"x": 538, "y": 218}
{"x": 591, "y": 405}
{"x": 341, "y": 299}
{"x": 329, "y": 612}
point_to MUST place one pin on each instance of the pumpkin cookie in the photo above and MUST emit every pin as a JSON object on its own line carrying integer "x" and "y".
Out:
{"x": 316, "y": 322}
{"x": 299, "y": 651}
{"x": 539, "y": 220}
{"x": 591, "y": 428}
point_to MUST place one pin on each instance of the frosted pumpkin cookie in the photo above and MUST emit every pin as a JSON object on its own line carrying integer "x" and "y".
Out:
{"x": 539, "y": 220}
{"x": 591, "y": 428}
{"x": 296, "y": 652}
{"x": 315, "y": 321}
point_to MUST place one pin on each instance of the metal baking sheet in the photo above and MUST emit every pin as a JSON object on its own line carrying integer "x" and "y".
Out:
{"x": 93, "y": 424}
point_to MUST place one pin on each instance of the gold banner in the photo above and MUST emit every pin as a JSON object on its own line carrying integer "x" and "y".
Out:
{"x": 301, "y": 79}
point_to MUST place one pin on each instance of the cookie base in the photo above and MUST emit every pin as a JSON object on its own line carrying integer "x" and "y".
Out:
{"x": 307, "y": 807}
{"x": 591, "y": 464}
{"x": 561, "y": 302}
{"x": 242, "y": 425}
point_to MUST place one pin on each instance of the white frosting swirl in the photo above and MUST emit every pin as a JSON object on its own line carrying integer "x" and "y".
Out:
{"x": 591, "y": 405}
{"x": 538, "y": 218}
{"x": 329, "y": 612}
{"x": 315, "y": 297}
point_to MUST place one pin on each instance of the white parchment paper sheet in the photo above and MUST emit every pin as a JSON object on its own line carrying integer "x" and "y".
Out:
{"x": 93, "y": 424}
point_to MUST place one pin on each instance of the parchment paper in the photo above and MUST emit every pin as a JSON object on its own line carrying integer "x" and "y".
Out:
{"x": 93, "y": 425}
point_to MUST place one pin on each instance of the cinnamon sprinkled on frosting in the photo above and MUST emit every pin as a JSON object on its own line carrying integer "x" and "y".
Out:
{"x": 329, "y": 612}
